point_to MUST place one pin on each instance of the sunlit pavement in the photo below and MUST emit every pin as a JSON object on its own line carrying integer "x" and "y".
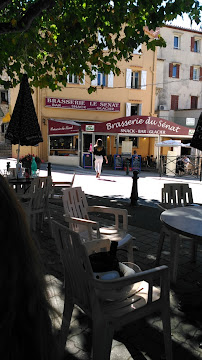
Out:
{"x": 115, "y": 183}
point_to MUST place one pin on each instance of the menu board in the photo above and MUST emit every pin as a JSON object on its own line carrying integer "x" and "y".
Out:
{"x": 118, "y": 162}
{"x": 136, "y": 162}
{"x": 87, "y": 161}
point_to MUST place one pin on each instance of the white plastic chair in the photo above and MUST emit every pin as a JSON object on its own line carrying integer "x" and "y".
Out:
{"x": 77, "y": 214}
{"x": 109, "y": 303}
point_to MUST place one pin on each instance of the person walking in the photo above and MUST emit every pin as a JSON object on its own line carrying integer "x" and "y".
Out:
{"x": 100, "y": 154}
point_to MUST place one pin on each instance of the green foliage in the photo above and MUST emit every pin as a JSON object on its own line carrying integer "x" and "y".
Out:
{"x": 51, "y": 39}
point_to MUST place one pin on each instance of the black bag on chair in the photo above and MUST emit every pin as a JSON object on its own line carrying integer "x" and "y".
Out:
{"x": 105, "y": 261}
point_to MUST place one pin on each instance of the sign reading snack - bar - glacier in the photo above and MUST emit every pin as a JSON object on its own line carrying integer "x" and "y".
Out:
{"x": 82, "y": 104}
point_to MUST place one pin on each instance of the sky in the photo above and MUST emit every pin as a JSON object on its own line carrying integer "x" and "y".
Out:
{"x": 186, "y": 23}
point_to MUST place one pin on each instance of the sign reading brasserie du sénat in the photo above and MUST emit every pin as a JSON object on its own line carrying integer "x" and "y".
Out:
{"x": 82, "y": 104}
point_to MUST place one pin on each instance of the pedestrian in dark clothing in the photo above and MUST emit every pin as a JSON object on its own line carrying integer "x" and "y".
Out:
{"x": 100, "y": 154}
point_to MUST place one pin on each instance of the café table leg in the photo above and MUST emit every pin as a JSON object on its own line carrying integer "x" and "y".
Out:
{"x": 160, "y": 245}
{"x": 174, "y": 255}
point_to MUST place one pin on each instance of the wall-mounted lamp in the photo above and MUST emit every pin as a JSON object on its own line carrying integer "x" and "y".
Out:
{"x": 144, "y": 138}
{"x": 44, "y": 121}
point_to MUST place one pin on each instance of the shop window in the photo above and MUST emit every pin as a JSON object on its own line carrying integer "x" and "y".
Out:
{"x": 194, "y": 102}
{"x": 174, "y": 102}
{"x": 4, "y": 97}
{"x": 64, "y": 145}
{"x": 174, "y": 70}
{"x": 125, "y": 138}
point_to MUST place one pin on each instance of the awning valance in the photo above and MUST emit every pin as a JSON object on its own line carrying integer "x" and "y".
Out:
{"x": 140, "y": 125}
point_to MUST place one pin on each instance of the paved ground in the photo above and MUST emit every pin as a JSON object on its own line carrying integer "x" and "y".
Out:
{"x": 142, "y": 340}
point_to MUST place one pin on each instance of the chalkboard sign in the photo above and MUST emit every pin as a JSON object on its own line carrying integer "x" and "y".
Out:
{"x": 136, "y": 162}
{"x": 118, "y": 162}
{"x": 87, "y": 161}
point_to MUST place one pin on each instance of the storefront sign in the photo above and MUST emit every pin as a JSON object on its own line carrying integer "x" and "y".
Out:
{"x": 142, "y": 125}
{"x": 82, "y": 104}
{"x": 57, "y": 128}
{"x": 190, "y": 121}
{"x": 90, "y": 127}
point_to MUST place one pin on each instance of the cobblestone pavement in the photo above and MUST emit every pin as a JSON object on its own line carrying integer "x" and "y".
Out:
{"x": 142, "y": 340}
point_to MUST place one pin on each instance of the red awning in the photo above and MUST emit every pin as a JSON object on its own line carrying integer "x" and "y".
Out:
{"x": 56, "y": 127}
{"x": 140, "y": 125}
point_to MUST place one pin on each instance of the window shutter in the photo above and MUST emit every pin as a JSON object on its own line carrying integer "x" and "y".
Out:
{"x": 143, "y": 79}
{"x": 170, "y": 70}
{"x": 178, "y": 71}
{"x": 82, "y": 81}
{"x": 94, "y": 81}
{"x": 174, "y": 102}
{"x": 128, "y": 109}
{"x": 111, "y": 79}
{"x": 140, "y": 109}
{"x": 128, "y": 78}
{"x": 191, "y": 72}
{"x": 192, "y": 43}
{"x": 200, "y": 78}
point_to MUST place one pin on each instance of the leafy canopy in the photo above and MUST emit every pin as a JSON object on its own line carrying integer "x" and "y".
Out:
{"x": 50, "y": 39}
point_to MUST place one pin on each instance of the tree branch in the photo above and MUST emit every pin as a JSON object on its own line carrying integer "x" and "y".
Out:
{"x": 25, "y": 22}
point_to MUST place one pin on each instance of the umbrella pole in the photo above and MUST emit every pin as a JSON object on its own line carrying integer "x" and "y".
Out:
{"x": 18, "y": 153}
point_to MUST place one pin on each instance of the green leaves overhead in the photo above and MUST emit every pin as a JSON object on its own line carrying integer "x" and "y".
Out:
{"x": 51, "y": 38}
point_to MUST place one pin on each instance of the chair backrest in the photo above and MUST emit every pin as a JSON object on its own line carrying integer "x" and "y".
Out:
{"x": 76, "y": 265}
{"x": 75, "y": 203}
{"x": 176, "y": 194}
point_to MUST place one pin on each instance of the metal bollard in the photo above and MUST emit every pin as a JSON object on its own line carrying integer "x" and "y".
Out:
{"x": 49, "y": 169}
{"x": 8, "y": 165}
{"x": 134, "y": 192}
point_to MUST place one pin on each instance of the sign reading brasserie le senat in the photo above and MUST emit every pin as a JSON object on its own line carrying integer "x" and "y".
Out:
{"x": 82, "y": 104}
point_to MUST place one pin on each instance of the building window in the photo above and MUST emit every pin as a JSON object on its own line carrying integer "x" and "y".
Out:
{"x": 194, "y": 102}
{"x": 4, "y": 97}
{"x": 138, "y": 50}
{"x": 101, "y": 79}
{"x": 174, "y": 102}
{"x": 133, "y": 109}
{"x": 73, "y": 79}
{"x": 135, "y": 79}
{"x": 174, "y": 70}
{"x": 195, "y": 45}
{"x": 176, "y": 42}
{"x": 196, "y": 73}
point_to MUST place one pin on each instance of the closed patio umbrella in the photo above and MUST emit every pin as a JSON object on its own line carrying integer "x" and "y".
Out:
{"x": 23, "y": 128}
